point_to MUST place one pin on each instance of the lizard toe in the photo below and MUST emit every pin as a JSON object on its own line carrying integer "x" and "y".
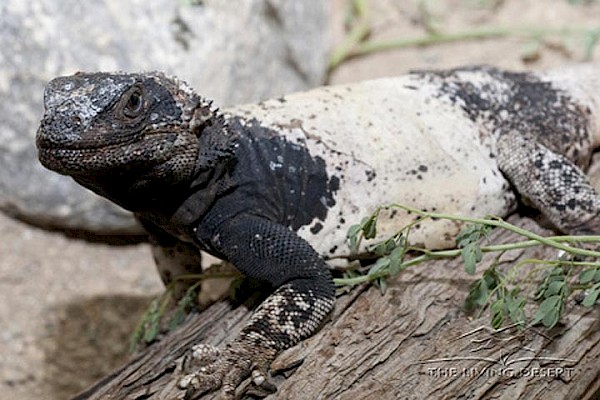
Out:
{"x": 207, "y": 369}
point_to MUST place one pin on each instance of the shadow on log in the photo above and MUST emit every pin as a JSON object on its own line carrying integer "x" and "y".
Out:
{"x": 413, "y": 342}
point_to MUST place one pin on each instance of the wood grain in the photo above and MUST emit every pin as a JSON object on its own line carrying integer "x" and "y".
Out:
{"x": 413, "y": 342}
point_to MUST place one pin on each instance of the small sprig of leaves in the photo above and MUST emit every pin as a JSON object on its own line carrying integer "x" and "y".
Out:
{"x": 504, "y": 303}
{"x": 496, "y": 290}
{"x": 149, "y": 326}
{"x": 553, "y": 291}
{"x": 468, "y": 241}
{"x": 590, "y": 279}
{"x": 154, "y": 318}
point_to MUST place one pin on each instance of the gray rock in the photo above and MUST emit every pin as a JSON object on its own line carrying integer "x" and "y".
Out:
{"x": 231, "y": 51}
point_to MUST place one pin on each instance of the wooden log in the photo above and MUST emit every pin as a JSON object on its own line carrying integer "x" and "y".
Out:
{"x": 413, "y": 342}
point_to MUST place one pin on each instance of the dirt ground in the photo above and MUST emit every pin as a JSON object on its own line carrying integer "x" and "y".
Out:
{"x": 68, "y": 306}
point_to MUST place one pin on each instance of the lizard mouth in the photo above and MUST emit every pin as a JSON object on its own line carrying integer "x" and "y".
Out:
{"x": 137, "y": 152}
{"x": 47, "y": 140}
{"x": 69, "y": 161}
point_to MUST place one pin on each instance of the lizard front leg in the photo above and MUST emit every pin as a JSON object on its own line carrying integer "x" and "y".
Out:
{"x": 304, "y": 296}
{"x": 552, "y": 183}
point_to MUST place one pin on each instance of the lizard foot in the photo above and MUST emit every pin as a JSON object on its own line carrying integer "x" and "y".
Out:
{"x": 207, "y": 369}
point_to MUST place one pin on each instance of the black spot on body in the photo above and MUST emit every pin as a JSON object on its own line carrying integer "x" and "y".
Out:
{"x": 316, "y": 228}
{"x": 273, "y": 178}
{"x": 371, "y": 174}
{"x": 555, "y": 164}
{"x": 334, "y": 184}
{"x": 522, "y": 102}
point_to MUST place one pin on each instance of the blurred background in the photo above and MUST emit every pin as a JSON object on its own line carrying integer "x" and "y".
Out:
{"x": 75, "y": 272}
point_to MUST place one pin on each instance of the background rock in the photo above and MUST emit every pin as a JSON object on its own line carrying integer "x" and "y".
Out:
{"x": 64, "y": 303}
{"x": 233, "y": 52}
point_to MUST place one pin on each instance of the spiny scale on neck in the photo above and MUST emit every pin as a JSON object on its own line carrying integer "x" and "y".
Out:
{"x": 199, "y": 116}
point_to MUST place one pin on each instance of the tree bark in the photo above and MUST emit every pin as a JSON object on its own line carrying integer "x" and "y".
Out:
{"x": 413, "y": 342}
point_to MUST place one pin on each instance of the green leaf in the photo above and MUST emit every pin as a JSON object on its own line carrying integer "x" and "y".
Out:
{"x": 353, "y": 232}
{"x": 498, "y": 313}
{"x": 554, "y": 288}
{"x": 382, "y": 283}
{"x": 551, "y": 303}
{"x": 152, "y": 328}
{"x": 369, "y": 227}
{"x": 381, "y": 263}
{"x": 468, "y": 240}
{"x": 515, "y": 306}
{"x": 396, "y": 260}
{"x": 149, "y": 326}
{"x": 471, "y": 255}
{"x": 548, "y": 312}
{"x": 587, "y": 276}
{"x": 544, "y": 290}
{"x": 492, "y": 277}
{"x": 591, "y": 296}
{"x": 480, "y": 290}
{"x": 384, "y": 248}
{"x": 472, "y": 233}
{"x": 466, "y": 235}
{"x": 551, "y": 318}
{"x": 477, "y": 296}
{"x": 183, "y": 306}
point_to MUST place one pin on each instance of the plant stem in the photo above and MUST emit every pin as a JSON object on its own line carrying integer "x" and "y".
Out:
{"x": 361, "y": 48}
{"x": 510, "y": 227}
{"x": 535, "y": 240}
{"x": 360, "y": 30}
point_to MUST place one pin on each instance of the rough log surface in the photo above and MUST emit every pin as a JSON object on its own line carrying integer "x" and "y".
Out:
{"x": 413, "y": 342}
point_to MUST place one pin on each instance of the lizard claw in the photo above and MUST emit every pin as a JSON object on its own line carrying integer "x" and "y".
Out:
{"x": 204, "y": 361}
{"x": 207, "y": 369}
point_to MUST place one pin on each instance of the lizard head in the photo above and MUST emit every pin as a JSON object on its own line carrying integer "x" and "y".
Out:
{"x": 129, "y": 137}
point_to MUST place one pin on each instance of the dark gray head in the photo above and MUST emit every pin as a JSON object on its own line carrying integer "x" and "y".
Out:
{"x": 129, "y": 136}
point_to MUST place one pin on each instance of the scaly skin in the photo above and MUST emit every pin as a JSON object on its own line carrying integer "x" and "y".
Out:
{"x": 273, "y": 187}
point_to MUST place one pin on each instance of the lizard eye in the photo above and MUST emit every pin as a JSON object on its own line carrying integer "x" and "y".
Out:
{"x": 134, "y": 103}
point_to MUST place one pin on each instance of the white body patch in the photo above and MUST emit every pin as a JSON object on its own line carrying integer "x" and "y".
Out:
{"x": 390, "y": 141}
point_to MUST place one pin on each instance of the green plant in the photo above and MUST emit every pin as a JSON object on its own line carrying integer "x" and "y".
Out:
{"x": 499, "y": 291}
{"x": 153, "y": 319}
